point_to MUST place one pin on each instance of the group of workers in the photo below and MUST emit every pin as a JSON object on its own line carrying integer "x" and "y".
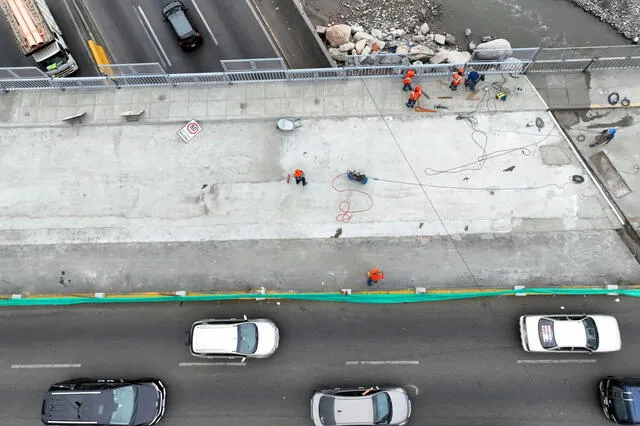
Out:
{"x": 457, "y": 79}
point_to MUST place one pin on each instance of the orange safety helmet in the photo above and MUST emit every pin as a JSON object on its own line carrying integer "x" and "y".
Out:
{"x": 417, "y": 89}
{"x": 461, "y": 70}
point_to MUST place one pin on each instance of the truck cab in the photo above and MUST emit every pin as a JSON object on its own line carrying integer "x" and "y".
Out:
{"x": 620, "y": 399}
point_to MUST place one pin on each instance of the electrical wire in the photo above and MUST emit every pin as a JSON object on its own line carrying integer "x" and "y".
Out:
{"x": 344, "y": 207}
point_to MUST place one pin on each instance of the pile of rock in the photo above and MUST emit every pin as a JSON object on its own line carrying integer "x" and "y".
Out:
{"x": 351, "y": 45}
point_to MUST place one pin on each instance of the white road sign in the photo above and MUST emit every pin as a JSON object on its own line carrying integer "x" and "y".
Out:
{"x": 189, "y": 131}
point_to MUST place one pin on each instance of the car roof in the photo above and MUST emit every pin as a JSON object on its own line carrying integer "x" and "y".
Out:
{"x": 75, "y": 406}
{"x": 353, "y": 410}
{"x": 214, "y": 338}
{"x": 569, "y": 333}
{"x": 178, "y": 19}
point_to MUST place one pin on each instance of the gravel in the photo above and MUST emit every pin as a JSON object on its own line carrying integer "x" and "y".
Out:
{"x": 384, "y": 15}
{"x": 622, "y": 15}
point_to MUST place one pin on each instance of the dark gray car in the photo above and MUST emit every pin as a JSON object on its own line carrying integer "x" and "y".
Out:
{"x": 181, "y": 24}
{"x": 363, "y": 405}
{"x": 104, "y": 402}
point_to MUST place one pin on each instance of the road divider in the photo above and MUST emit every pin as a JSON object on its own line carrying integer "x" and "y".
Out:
{"x": 100, "y": 57}
{"x": 414, "y": 295}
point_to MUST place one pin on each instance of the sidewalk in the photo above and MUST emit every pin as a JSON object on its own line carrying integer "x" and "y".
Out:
{"x": 489, "y": 199}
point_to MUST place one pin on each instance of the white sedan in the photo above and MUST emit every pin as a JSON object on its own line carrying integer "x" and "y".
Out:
{"x": 234, "y": 338}
{"x": 569, "y": 333}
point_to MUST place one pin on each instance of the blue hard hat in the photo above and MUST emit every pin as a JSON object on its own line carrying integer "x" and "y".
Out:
{"x": 612, "y": 131}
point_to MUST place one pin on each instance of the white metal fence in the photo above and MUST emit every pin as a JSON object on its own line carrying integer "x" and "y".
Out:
{"x": 518, "y": 61}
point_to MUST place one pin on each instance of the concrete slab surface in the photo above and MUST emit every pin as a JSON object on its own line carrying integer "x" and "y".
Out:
{"x": 623, "y": 152}
{"x": 430, "y": 175}
{"x": 475, "y": 195}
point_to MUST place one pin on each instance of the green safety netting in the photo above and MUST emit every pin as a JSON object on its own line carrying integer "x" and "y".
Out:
{"x": 320, "y": 297}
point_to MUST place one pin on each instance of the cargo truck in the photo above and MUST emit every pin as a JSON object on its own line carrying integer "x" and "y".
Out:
{"x": 39, "y": 36}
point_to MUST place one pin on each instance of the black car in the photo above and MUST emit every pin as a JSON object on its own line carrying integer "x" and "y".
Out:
{"x": 176, "y": 14}
{"x": 620, "y": 399}
{"x": 104, "y": 402}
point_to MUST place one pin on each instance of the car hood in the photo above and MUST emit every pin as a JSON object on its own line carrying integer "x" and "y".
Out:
{"x": 268, "y": 338}
{"x": 149, "y": 405}
{"x": 608, "y": 333}
{"x": 401, "y": 406}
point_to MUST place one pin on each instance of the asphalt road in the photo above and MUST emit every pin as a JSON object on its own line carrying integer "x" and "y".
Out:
{"x": 461, "y": 361}
{"x": 72, "y": 31}
{"x": 134, "y": 32}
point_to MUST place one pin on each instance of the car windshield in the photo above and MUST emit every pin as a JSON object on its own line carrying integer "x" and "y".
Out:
{"x": 54, "y": 62}
{"x": 545, "y": 330}
{"x": 591, "y": 331}
{"x": 381, "y": 408}
{"x": 124, "y": 405}
{"x": 325, "y": 410}
{"x": 247, "y": 338}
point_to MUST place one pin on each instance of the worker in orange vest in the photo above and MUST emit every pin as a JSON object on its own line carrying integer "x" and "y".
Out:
{"x": 299, "y": 175}
{"x": 374, "y": 275}
{"x": 406, "y": 83}
{"x": 414, "y": 96}
{"x": 456, "y": 79}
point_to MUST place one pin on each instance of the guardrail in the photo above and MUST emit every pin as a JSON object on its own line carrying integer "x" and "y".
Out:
{"x": 542, "y": 60}
{"x": 346, "y": 295}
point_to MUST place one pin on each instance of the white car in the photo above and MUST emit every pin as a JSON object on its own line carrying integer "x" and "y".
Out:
{"x": 569, "y": 333}
{"x": 234, "y": 338}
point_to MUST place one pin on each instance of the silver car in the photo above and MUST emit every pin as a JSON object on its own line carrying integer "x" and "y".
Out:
{"x": 373, "y": 405}
{"x": 234, "y": 338}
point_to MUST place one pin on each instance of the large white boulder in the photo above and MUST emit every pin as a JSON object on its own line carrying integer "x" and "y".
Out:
{"x": 361, "y": 35}
{"x": 360, "y": 44}
{"x": 440, "y": 57}
{"x": 420, "y": 53}
{"x": 402, "y": 50}
{"x": 376, "y": 33}
{"x": 457, "y": 57}
{"x": 424, "y": 28}
{"x": 337, "y": 55}
{"x": 493, "y": 50}
{"x": 347, "y": 46}
{"x": 337, "y": 35}
{"x": 440, "y": 39}
{"x": 356, "y": 28}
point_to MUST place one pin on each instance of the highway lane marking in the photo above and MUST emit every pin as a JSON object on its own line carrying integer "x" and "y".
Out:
{"x": 557, "y": 361}
{"x": 155, "y": 42}
{"x": 206, "y": 24}
{"x": 32, "y": 366}
{"x": 262, "y": 26}
{"x": 382, "y": 363}
{"x": 213, "y": 364}
{"x": 84, "y": 21}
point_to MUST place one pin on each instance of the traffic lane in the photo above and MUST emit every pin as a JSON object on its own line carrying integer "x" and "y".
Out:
{"x": 74, "y": 35}
{"x": 462, "y": 370}
{"x": 123, "y": 33}
{"x": 205, "y": 58}
{"x": 239, "y": 33}
{"x": 341, "y": 332}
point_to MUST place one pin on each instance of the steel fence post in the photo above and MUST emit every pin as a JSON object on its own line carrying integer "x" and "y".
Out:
{"x": 532, "y": 60}
{"x": 589, "y": 65}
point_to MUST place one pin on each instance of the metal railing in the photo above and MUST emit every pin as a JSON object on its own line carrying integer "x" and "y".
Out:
{"x": 520, "y": 61}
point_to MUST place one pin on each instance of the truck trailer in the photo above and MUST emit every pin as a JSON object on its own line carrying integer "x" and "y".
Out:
{"x": 39, "y": 36}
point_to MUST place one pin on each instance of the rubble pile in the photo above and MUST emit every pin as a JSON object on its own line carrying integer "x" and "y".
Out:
{"x": 352, "y": 45}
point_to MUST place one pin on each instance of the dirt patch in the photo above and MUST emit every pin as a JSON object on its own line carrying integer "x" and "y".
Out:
{"x": 384, "y": 15}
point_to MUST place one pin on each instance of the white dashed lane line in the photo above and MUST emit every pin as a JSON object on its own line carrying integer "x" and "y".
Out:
{"x": 382, "y": 363}
{"x": 558, "y": 361}
{"x": 34, "y": 366}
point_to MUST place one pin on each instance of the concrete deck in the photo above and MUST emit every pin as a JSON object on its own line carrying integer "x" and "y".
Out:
{"x": 491, "y": 194}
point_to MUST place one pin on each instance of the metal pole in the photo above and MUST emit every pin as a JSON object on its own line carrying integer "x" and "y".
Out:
{"x": 532, "y": 60}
